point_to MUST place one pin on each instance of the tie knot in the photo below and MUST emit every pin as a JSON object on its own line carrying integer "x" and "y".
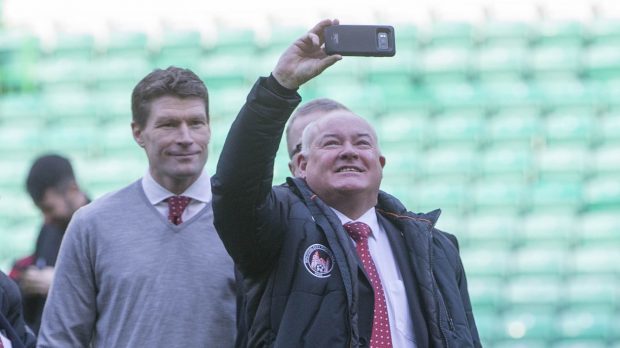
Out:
{"x": 359, "y": 231}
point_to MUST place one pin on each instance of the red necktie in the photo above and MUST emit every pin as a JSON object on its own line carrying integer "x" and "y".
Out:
{"x": 176, "y": 206}
{"x": 381, "y": 335}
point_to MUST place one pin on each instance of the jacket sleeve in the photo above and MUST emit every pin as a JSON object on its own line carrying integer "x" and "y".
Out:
{"x": 71, "y": 309}
{"x": 462, "y": 280}
{"x": 245, "y": 209}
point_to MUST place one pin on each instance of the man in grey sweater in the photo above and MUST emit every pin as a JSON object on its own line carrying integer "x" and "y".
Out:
{"x": 143, "y": 266}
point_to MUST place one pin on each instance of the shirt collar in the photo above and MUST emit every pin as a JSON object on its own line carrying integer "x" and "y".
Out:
{"x": 369, "y": 218}
{"x": 200, "y": 190}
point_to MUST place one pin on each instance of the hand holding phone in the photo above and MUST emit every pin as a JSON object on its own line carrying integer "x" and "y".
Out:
{"x": 360, "y": 40}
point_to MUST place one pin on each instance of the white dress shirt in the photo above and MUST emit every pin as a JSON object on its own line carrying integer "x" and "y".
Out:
{"x": 401, "y": 325}
{"x": 199, "y": 192}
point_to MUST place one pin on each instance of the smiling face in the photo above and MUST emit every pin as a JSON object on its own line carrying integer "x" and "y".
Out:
{"x": 175, "y": 138}
{"x": 342, "y": 163}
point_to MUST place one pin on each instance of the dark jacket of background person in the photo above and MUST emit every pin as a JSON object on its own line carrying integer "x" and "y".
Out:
{"x": 11, "y": 319}
{"x": 267, "y": 231}
{"x": 45, "y": 254}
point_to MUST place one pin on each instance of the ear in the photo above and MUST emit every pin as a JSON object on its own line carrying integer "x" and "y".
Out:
{"x": 302, "y": 163}
{"x": 136, "y": 131}
{"x": 382, "y": 161}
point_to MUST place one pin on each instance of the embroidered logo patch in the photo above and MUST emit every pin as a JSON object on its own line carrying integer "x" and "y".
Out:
{"x": 319, "y": 260}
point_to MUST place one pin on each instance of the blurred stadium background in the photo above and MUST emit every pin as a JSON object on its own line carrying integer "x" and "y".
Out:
{"x": 504, "y": 114}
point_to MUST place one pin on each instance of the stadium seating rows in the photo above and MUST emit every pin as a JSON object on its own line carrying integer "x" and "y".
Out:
{"x": 513, "y": 129}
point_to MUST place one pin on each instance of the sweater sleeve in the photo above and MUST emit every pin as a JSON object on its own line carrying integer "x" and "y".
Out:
{"x": 244, "y": 206}
{"x": 70, "y": 311}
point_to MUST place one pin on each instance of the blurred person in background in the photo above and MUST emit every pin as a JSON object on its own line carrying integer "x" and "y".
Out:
{"x": 328, "y": 260}
{"x": 143, "y": 266}
{"x": 13, "y": 330}
{"x": 302, "y": 116}
{"x": 54, "y": 190}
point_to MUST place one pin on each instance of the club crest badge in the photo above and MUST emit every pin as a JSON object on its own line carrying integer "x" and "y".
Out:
{"x": 319, "y": 260}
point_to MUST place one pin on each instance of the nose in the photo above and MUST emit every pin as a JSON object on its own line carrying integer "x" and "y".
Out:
{"x": 349, "y": 151}
{"x": 185, "y": 135}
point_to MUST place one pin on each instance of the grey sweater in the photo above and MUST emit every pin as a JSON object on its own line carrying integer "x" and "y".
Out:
{"x": 126, "y": 277}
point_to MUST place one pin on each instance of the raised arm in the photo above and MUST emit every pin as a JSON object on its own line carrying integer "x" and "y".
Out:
{"x": 246, "y": 215}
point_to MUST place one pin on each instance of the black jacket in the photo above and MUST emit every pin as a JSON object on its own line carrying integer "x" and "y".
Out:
{"x": 271, "y": 234}
{"x": 11, "y": 319}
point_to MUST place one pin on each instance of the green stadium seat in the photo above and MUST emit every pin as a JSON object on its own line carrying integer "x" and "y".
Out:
{"x": 599, "y": 228}
{"x": 449, "y": 161}
{"x": 401, "y": 96}
{"x": 602, "y": 192}
{"x": 606, "y": 159}
{"x": 20, "y": 106}
{"x": 239, "y": 42}
{"x": 451, "y": 61}
{"x": 543, "y": 260}
{"x": 505, "y": 32}
{"x": 491, "y": 227}
{"x": 564, "y": 91}
{"x": 450, "y": 33}
{"x": 458, "y": 127}
{"x": 180, "y": 48}
{"x": 113, "y": 104}
{"x": 74, "y": 45}
{"x": 507, "y": 93}
{"x": 449, "y": 194}
{"x": 591, "y": 291}
{"x": 595, "y": 259}
{"x": 557, "y": 58}
{"x": 485, "y": 294}
{"x": 485, "y": 261}
{"x": 601, "y": 61}
{"x": 123, "y": 42}
{"x": 399, "y": 69}
{"x": 584, "y": 323}
{"x": 559, "y": 32}
{"x": 20, "y": 138}
{"x": 116, "y": 137}
{"x": 609, "y": 128}
{"x": 528, "y": 324}
{"x": 593, "y": 343}
{"x": 222, "y": 71}
{"x": 227, "y": 101}
{"x": 501, "y": 60}
{"x": 486, "y": 322}
{"x": 19, "y": 241}
{"x": 78, "y": 138}
{"x": 534, "y": 292}
{"x": 68, "y": 103}
{"x": 505, "y": 162}
{"x": 403, "y": 129}
{"x": 547, "y": 228}
{"x": 556, "y": 195}
{"x": 562, "y": 162}
{"x": 520, "y": 343}
{"x": 498, "y": 194}
{"x": 603, "y": 30}
{"x": 63, "y": 70}
{"x": 455, "y": 94}
{"x": 570, "y": 126}
{"x": 120, "y": 69}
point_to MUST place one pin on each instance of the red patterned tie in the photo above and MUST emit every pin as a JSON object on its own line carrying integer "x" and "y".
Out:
{"x": 381, "y": 335}
{"x": 176, "y": 206}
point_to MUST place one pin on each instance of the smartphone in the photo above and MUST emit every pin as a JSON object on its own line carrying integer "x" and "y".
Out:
{"x": 360, "y": 40}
